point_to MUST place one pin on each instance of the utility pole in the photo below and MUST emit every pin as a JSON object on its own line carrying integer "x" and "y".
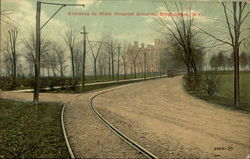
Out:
{"x": 84, "y": 56}
{"x": 160, "y": 65}
{"x": 38, "y": 42}
{"x": 37, "y": 59}
{"x": 0, "y": 39}
{"x": 118, "y": 71}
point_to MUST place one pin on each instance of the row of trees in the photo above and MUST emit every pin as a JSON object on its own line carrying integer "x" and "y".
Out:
{"x": 184, "y": 41}
{"x": 223, "y": 62}
{"x": 107, "y": 56}
{"x": 184, "y": 37}
{"x": 53, "y": 57}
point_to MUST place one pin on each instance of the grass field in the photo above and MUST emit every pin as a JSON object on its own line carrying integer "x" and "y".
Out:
{"x": 29, "y": 131}
{"x": 225, "y": 92}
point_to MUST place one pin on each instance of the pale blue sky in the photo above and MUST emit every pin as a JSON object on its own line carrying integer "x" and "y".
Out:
{"x": 129, "y": 28}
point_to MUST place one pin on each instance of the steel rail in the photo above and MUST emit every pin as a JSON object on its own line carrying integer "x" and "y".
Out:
{"x": 64, "y": 130}
{"x": 111, "y": 127}
{"x": 118, "y": 132}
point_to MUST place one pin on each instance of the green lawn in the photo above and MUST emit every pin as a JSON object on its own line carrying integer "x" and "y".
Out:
{"x": 225, "y": 92}
{"x": 226, "y": 89}
{"x": 29, "y": 131}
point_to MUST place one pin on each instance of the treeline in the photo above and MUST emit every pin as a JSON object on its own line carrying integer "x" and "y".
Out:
{"x": 105, "y": 57}
{"x": 223, "y": 62}
{"x": 189, "y": 43}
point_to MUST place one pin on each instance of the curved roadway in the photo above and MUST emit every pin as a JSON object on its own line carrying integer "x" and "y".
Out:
{"x": 159, "y": 115}
{"x": 163, "y": 118}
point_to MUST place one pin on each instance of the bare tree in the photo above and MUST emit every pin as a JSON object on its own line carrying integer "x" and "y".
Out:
{"x": 243, "y": 60}
{"x": 125, "y": 59}
{"x": 3, "y": 18}
{"x": 61, "y": 59}
{"x": 51, "y": 60}
{"x": 110, "y": 48}
{"x": 133, "y": 54}
{"x": 235, "y": 19}
{"x": 118, "y": 61}
{"x": 183, "y": 33}
{"x": 77, "y": 62}
{"x": 70, "y": 39}
{"x": 95, "y": 55}
{"x": 13, "y": 33}
{"x": 8, "y": 64}
{"x": 102, "y": 63}
{"x": 29, "y": 49}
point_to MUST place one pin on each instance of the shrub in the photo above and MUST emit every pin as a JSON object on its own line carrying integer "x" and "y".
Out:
{"x": 6, "y": 83}
{"x": 205, "y": 82}
{"x": 192, "y": 83}
{"x": 73, "y": 85}
{"x": 210, "y": 83}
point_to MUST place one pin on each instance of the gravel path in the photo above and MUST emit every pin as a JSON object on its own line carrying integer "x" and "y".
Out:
{"x": 163, "y": 118}
{"x": 89, "y": 138}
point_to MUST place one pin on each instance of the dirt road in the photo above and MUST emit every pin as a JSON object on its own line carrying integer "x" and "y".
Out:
{"x": 157, "y": 114}
{"x": 162, "y": 117}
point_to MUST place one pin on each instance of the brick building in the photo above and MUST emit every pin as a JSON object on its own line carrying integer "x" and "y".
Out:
{"x": 141, "y": 57}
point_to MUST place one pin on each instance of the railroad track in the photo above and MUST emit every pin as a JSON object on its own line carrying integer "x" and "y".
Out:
{"x": 111, "y": 127}
{"x": 122, "y": 136}
{"x": 64, "y": 130}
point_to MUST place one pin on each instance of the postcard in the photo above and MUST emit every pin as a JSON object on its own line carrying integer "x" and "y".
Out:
{"x": 125, "y": 79}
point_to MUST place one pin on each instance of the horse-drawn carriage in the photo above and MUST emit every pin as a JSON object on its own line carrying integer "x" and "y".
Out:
{"x": 171, "y": 73}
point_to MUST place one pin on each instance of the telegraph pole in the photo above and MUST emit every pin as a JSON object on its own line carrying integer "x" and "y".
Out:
{"x": 38, "y": 42}
{"x": 0, "y": 43}
{"x": 160, "y": 61}
{"x": 37, "y": 59}
{"x": 84, "y": 56}
{"x": 118, "y": 71}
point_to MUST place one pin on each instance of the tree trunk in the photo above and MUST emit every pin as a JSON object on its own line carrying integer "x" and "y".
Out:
{"x": 134, "y": 70}
{"x": 131, "y": 69}
{"x": 14, "y": 70}
{"x": 124, "y": 72}
{"x": 61, "y": 70}
{"x": 72, "y": 63}
{"x": 112, "y": 65}
{"x": 236, "y": 77}
{"x": 54, "y": 73}
{"x": 95, "y": 69}
{"x": 48, "y": 71}
{"x": 109, "y": 67}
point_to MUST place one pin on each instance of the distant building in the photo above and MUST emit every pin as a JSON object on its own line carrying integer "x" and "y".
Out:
{"x": 146, "y": 58}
